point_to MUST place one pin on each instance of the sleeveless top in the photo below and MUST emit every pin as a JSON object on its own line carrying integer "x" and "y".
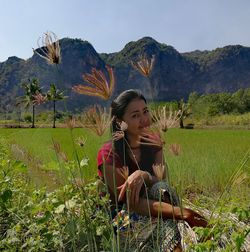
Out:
{"x": 107, "y": 156}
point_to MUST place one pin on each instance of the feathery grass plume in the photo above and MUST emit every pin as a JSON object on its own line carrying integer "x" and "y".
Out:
{"x": 118, "y": 135}
{"x": 101, "y": 87}
{"x": 96, "y": 119}
{"x": 49, "y": 48}
{"x": 175, "y": 149}
{"x": 81, "y": 141}
{"x": 70, "y": 123}
{"x": 121, "y": 126}
{"x": 124, "y": 172}
{"x": 240, "y": 178}
{"x": 144, "y": 65}
{"x": 39, "y": 99}
{"x": 159, "y": 170}
{"x": 57, "y": 148}
{"x": 163, "y": 119}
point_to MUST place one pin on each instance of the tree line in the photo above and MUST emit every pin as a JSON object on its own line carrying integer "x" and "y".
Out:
{"x": 219, "y": 103}
{"x": 34, "y": 96}
{"x": 197, "y": 105}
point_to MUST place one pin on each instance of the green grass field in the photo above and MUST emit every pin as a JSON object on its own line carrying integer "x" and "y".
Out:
{"x": 200, "y": 174}
{"x": 207, "y": 159}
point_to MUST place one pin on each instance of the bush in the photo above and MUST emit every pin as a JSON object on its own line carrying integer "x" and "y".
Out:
{"x": 27, "y": 117}
{"x": 72, "y": 218}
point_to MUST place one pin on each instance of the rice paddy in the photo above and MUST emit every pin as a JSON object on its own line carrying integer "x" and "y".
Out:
{"x": 205, "y": 159}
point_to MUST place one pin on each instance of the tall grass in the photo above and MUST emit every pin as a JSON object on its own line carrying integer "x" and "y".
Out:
{"x": 205, "y": 164}
{"x": 207, "y": 158}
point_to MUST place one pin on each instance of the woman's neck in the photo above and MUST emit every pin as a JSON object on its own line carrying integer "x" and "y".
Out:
{"x": 133, "y": 141}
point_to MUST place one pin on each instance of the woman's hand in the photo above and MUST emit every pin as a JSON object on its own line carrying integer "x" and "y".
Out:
{"x": 133, "y": 186}
{"x": 194, "y": 219}
{"x": 151, "y": 138}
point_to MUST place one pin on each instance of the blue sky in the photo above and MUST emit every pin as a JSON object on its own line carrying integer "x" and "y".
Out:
{"x": 110, "y": 24}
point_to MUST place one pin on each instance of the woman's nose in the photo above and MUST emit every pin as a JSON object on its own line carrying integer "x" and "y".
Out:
{"x": 145, "y": 121}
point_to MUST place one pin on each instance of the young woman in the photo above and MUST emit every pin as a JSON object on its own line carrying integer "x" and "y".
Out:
{"x": 140, "y": 191}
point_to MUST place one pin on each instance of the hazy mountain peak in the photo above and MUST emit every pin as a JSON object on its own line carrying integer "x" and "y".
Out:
{"x": 174, "y": 74}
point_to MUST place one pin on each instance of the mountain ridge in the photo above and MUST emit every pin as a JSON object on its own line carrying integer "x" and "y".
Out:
{"x": 174, "y": 74}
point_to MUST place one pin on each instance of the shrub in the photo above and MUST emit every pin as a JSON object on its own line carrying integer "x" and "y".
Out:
{"x": 27, "y": 117}
{"x": 72, "y": 218}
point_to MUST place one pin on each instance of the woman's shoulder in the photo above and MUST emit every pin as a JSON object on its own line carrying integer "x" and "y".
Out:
{"x": 107, "y": 146}
{"x": 105, "y": 154}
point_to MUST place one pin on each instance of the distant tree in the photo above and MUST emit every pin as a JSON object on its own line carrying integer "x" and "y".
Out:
{"x": 220, "y": 103}
{"x": 32, "y": 89}
{"x": 241, "y": 101}
{"x": 225, "y": 104}
{"x": 238, "y": 101}
{"x": 54, "y": 95}
{"x": 246, "y": 98}
{"x": 193, "y": 97}
{"x": 185, "y": 112}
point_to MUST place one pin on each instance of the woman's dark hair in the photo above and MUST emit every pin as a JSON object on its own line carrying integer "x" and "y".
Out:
{"x": 120, "y": 104}
{"x": 118, "y": 109}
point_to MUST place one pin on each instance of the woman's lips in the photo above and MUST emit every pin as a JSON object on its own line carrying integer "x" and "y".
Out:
{"x": 143, "y": 127}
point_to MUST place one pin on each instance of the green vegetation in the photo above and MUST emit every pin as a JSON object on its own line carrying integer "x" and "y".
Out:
{"x": 223, "y": 110}
{"x": 207, "y": 58}
{"x": 133, "y": 49}
{"x": 31, "y": 88}
{"x": 49, "y": 191}
{"x": 220, "y": 104}
{"x": 54, "y": 95}
{"x": 211, "y": 169}
{"x": 207, "y": 160}
{"x": 64, "y": 220}
{"x": 38, "y": 144}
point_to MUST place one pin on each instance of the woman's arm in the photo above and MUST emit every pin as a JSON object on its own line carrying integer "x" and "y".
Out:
{"x": 117, "y": 183}
{"x": 153, "y": 208}
{"x": 112, "y": 178}
{"x": 122, "y": 187}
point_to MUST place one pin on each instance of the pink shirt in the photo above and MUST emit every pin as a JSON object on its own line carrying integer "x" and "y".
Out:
{"x": 106, "y": 156}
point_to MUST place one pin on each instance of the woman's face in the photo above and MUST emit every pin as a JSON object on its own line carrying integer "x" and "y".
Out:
{"x": 137, "y": 117}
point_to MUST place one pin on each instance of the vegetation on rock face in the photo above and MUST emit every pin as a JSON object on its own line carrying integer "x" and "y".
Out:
{"x": 227, "y": 53}
{"x": 175, "y": 74}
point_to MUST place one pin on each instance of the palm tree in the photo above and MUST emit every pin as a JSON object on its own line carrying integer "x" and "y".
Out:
{"x": 32, "y": 89}
{"x": 54, "y": 95}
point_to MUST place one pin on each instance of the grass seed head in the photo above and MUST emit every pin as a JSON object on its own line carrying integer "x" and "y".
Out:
{"x": 49, "y": 49}
{"x": 96, "y": 119}
{"x": 175, "y": 149}
{"x": 99, "y": 85}
{"x": 164, "y": 119}
{"x": 144, "y": 65}
{"x": 159, "y": 170}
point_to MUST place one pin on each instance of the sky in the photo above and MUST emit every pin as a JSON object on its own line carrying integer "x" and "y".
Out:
{"x": 109, "y": 25}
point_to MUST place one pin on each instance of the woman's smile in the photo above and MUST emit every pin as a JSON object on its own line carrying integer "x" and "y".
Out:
{"x": 137, "y": 117}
